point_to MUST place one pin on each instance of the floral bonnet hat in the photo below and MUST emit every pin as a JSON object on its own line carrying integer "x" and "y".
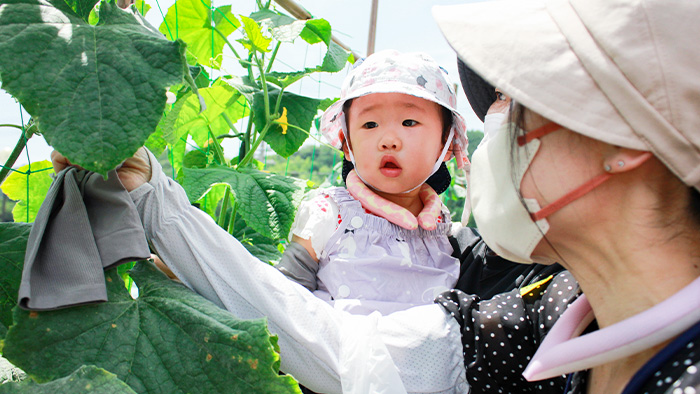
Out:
{"x": 390, "y": 71}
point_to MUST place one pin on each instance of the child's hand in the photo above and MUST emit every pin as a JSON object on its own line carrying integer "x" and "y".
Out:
{"x": 133, "y": 172}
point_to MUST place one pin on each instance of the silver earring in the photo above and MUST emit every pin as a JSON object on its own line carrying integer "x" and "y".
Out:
{"x": 607, "y": 168}
{"x": 620, "y": 163}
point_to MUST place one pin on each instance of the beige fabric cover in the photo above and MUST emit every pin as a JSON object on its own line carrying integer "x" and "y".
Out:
{"x": 626, "y": 72}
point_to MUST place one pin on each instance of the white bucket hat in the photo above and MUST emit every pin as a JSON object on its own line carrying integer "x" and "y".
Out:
{"x": 390, "y": 71}
{"x": 626, "y": 72}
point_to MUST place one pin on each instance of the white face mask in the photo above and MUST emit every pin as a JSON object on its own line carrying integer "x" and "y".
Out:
{"x": 492, "y": 124}
{"x": 504, "y": 223}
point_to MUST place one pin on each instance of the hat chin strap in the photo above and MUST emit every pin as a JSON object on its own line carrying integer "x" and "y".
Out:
{"x": 436, "y": 166}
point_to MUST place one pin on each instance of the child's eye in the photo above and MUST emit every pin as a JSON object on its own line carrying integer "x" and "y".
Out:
{"x": 370, "y": 125}
{"x": 409, "y": 123}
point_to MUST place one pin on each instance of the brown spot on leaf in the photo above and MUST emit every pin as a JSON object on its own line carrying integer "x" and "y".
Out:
{"x": 33, "y": 314}
{"x": 253, "y": 363}
{"x": 109, "y": 279}
{"x": 234, "y": 337}
{"x": 114, "y": 325}
{"x": 209, "y": 357}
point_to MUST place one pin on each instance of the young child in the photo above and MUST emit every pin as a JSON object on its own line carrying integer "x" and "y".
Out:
{"x": 381, "y": 244}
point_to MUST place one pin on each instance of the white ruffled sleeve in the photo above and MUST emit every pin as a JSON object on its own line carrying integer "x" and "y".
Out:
{"x": 316, "y": 220}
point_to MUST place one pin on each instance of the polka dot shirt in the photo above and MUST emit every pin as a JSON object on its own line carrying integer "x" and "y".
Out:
{"x": 500, "y": 335}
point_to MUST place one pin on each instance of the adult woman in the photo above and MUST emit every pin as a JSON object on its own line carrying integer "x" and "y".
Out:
{"x": 597, "y": 168}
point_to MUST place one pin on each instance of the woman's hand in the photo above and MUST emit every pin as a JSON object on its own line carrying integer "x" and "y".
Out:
{"x": 133, "y": 172}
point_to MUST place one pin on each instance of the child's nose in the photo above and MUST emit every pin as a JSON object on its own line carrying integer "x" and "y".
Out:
{"x": 390, "y": 141}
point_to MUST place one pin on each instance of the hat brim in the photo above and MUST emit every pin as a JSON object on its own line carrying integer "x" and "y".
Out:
{"x": 518, "y": 47}
{"x": 481, "y": 94}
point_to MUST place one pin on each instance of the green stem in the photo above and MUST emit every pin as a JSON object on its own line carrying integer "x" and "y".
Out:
{"x": 263, "y": 81}
{"x": 249, "y": 156}
{"x": 272, "y": 58}
{"x": 279, "y": 101}
{"x": 218, "y": 151}
{"x": 245, "y": 145}
{"x": 251, "y": 77}
{"x": 195, "y": 90}
{"x": 229, "y": 123}
{"x": 268, "y": 121}
{"x": 228, "y": 43}
{"x": 224, "y": 207}
{"x": 19, "y": 147}
{"x": 232, "y": 222}
{"x": 11, "y": 125}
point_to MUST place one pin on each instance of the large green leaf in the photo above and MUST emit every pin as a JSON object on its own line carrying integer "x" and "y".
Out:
{"x": 267, "y": 202}
{"x": 301, "y": 111}
{"x": 96, "y": 92}
{"x": 28, "y": 186}
{"x": 169, "y": 340}
{"x": 13, "y": 243}
{"x": 86, "y": 380}
{"x": 191, "y": 21}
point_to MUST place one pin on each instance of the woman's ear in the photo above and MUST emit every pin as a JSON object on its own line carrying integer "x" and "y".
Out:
{"x": 625, "y": 159}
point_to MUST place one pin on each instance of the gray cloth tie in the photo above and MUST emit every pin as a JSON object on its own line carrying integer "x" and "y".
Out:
{"x": 85, "y": 225}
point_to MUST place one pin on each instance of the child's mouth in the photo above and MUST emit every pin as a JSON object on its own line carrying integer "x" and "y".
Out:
{"x": 389, "y": 168}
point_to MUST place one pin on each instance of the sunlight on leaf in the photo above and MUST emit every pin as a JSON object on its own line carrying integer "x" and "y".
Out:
{"x": 256, "y": 40}
{"x": 28, "y": 188}
{"x": 186, "y": 119}
{"x": 191, "y": 21}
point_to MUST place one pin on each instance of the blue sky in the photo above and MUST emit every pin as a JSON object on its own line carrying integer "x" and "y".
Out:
{"x": 405, "y": 25}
